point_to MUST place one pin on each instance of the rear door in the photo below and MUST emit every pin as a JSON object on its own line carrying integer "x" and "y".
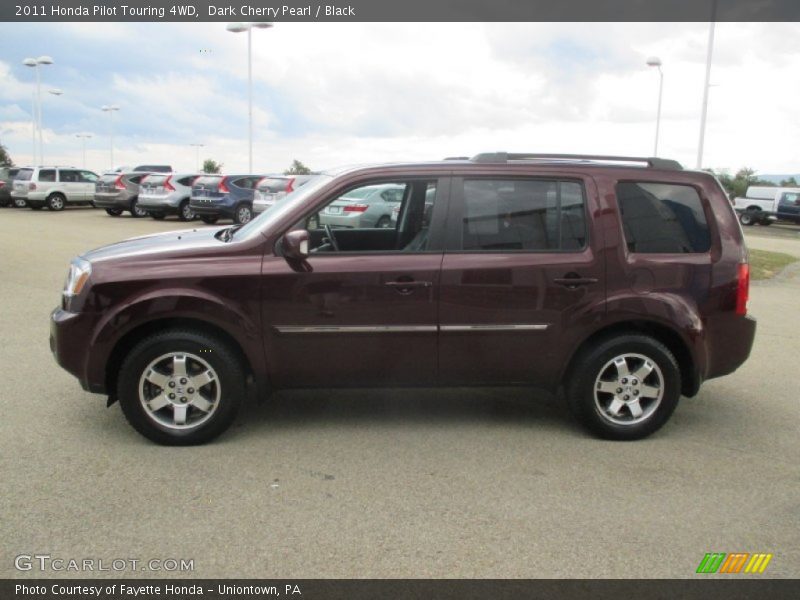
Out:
{"x": 520, "y": 275}
{"x": 71, "y": 183}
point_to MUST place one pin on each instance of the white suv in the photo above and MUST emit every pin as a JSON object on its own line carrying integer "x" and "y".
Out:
{"x": 54, "y": 187}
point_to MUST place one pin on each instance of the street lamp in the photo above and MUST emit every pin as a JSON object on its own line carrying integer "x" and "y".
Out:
{"x": 37, "y": 118}
{"x": 654, "y": 61}
{"x": 704, "y": 110}
{"x": 83, "y": 137}
{"x": 110, "y": 109}
{"x": 54, "y": 92}
{"x": 197, "y": 155}
{"x": 248, "y": 27}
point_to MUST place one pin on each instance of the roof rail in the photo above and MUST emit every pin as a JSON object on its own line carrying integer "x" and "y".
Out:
{"x": 652, "y": 162}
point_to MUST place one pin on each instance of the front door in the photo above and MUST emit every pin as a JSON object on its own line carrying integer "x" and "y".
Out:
{"x": 520, "y": 273}
{"x": 366, "y": 312}
{"x": 789, "y": 206}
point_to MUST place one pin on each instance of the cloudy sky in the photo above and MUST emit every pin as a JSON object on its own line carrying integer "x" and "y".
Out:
{"x": 331, "y": 94}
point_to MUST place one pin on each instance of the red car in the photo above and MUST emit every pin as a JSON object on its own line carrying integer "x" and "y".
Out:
{"x": 621, "y": 281}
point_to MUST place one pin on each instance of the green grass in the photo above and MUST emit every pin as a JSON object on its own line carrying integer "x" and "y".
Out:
{"x": 765, "y": 265}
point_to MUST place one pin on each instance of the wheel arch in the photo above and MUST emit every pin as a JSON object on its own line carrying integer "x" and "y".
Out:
{"x": 671, "y": 338}
{"x": 127, "y": 341}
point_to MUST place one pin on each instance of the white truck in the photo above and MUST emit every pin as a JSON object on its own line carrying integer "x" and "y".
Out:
{"x": 763, "y": 205}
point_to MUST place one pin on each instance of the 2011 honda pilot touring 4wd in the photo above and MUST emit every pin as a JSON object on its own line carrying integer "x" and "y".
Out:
{"x": 620, "y": 282}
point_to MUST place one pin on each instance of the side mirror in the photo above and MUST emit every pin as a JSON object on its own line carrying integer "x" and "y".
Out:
{"x": 295, "y": 245}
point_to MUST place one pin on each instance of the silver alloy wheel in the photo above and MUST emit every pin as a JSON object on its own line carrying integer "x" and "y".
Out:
{"x": 56, "y": 203}
{"x": 628, "y": 389}
{"x": 187, "y": 212}
{"x": 179, "y": 390}
{"x": 140, "y": 212}
{"x": 244, "y": 214}
{"x": 19, "y": 202}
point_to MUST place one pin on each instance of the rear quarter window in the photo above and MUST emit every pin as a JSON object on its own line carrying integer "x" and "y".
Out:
{"x": 662, "y": 218}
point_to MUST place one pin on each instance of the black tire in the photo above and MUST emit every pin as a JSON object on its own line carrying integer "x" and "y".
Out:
{"x": 185, "y": 212}
{"x": 113, "y": 212}
{"x": 56, "y": 202}
{"x": 20, "y": 203}
{"x": 385, "y": 222}
{"x": 243, "y": 213}
{"x": 591, "y": 363}
{"x": 221, "y": 358}
{"x": 35, "y": 206}
{"x": 136, "y": 211}
{"x": 748, "y": 218}
{"x": 157, "y": 216}
{"x": 209, "y": 219}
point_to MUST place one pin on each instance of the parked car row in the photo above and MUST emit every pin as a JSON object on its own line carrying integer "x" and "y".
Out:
{"x": 150, "y": 190}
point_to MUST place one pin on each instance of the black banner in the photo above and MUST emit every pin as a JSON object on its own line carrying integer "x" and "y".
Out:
{"x": 396, "y": 589}
{"x": 400, "y": 10}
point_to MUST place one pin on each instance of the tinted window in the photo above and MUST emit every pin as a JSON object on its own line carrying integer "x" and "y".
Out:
{"x": 273, "y": 184}
{"x": 68, "y": 176}
{"x": 47, "y": 175}
{"x": 523, "y": 215}
{"x": 662, "y": 218}
{"x": 135, "y": 179}
{"x": 24, "y": 174}
{"x": 208, "y": 180}
{"x": 187, "y": 180}
{"x": 154, "y": 168}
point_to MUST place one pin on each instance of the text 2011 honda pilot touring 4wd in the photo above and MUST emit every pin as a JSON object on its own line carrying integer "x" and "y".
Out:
{"x": 622, "y": 281}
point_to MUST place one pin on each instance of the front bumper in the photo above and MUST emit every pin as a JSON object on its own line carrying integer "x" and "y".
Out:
{"x": 69, "y": 340}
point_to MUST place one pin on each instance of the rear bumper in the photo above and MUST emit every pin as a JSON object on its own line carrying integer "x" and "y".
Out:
{"x": 162, "y": 204}
{"x": 212, "y": 209}
{"x": 730, "y": 342}
{"x": 111, "y": 201}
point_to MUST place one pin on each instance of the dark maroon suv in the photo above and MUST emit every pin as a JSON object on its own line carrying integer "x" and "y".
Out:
{"x": 621, "y": 282}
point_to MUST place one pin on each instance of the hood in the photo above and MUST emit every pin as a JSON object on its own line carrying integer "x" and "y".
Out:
{"x": 158, "y": 243}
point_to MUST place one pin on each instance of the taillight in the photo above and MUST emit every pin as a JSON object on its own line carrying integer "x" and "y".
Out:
{"x": 31, "y": 186}
{"x": 167, "y": 185}
{"x": 119, "y": 184}
{"x": 742, "y": 289}
{"x": 2, "y": 184}
{"x": 290, "y": 185}
{"x": 359, "y": 208}
{"x": 223, "y": 188}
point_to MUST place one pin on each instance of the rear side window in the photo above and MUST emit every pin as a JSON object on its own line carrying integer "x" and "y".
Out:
{"x": 523, "y": 215}
{"x": 68, "y": 176}
{"x": 662, "y": 218}
{"x": 47, "y": 175}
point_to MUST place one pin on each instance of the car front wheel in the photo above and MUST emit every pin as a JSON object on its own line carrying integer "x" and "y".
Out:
{"x": 625, "y": 388}
{"x": 181, "y": 387}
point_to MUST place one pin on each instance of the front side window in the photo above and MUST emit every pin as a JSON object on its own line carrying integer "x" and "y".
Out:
{"x": 662, "y": 218}
{"x": 379, "y": 217}
{"x": 523, "y": 214}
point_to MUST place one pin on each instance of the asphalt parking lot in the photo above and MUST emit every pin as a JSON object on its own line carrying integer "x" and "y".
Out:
{"x": 422, "y": 483}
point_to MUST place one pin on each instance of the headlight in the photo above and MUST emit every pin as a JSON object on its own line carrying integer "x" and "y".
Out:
{"x": 79, "y": 272}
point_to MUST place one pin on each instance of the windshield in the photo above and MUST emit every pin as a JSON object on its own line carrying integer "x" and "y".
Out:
{"x": 277, "y": 210}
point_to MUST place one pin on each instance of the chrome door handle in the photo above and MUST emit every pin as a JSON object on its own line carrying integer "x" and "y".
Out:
{"x": 407, "y": 287}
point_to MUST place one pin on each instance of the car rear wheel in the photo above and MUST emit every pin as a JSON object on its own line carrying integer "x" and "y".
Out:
{"x": 384, "y": 222}
{"x": 137, "y": 211}
{"x": 20, "y": 202}
{"x": 114, "y": 212}
{"x": 209, "y": 219}
{"x": 748, "y": 218}
{"x": 185, "y": 212}
{"x": 243, "y": 214}
{"x": 181, "y": 387}
{"x": 56, "y": 202}
{"x": 625, "y": 388}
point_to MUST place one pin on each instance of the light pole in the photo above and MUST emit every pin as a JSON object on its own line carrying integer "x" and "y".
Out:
{"x": 37, "y": 118}
{"x": 704, "y": 111}
{"x": 197, "y": 155}
{"x": 54, "y": 92}
{"x": 654, "y": 61}
{"x": 111, "y": 109}
{"x": 239, "y": 28}
{"x": 83, "y": 137}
